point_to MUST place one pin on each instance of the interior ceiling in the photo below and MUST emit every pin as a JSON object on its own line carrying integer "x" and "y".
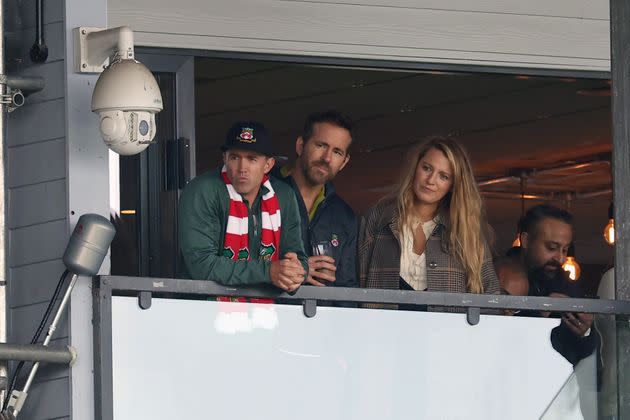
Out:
{"x": 534, "y": 128}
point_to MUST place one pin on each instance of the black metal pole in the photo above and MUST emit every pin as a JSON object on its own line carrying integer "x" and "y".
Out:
{"x": 39, "y": 50}
{"x": 620, "y": 69}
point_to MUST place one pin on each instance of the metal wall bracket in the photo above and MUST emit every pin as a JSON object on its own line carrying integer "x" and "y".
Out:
{"x": 144, "y": 300}
{"x": 94, "y": 46}
{"x": 13, "y": 99}
{"x": 17, "y": 88}
{"x": 472, "y": 315}
{"x": 310, "y": 308}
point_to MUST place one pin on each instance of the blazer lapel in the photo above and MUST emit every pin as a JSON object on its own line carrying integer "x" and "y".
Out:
{"x": 394, "y": 227}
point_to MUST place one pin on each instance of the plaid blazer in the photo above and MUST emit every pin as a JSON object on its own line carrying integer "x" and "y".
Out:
{"x": 379, "y": 256}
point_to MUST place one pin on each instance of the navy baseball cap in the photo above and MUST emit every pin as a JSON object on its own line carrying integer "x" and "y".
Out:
{"x": 249, "y": 135}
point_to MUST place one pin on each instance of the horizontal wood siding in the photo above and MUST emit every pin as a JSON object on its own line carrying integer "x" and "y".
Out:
{"x": 24, "y": 213}
{"x": 34, "y": 283}
{"x": 565, "y": 8}
{"x": 36, "y": 163}
{"x": 23, "y": 130}
{"x": 37, "y": 200}
{"x": 558, "y": 34}
{"x": 38, "y": 243}
{"x": 42, "y": 404}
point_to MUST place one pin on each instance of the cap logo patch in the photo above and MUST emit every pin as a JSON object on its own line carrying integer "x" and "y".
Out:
{"x": 247, "y": 135}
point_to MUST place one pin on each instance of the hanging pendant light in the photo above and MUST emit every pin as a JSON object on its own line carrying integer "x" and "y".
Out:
{"x": 519, "y": 229}
{"x": 609, "y": 230}
{"x": 517, "y": 240}
{"x": 571, "y": 266}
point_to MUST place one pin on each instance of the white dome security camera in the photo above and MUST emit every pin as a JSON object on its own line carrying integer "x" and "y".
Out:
{"x": 127, "y": 97}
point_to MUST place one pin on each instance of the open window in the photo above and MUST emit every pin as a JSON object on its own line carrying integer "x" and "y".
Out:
{"x": 532, "y": 139}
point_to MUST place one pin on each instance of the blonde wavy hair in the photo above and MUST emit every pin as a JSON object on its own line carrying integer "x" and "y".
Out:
{"x": 461, "y": 206}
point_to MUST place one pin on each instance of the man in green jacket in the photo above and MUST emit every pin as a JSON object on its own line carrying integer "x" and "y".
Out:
{"x": 238, "y": 226}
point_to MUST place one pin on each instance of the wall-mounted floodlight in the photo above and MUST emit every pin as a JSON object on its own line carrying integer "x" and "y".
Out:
{"x": 85, "y": 252}
{"x": 126, "y": 95}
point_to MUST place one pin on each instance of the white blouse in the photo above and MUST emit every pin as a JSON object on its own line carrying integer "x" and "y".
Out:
{"x": 413, "y": 267}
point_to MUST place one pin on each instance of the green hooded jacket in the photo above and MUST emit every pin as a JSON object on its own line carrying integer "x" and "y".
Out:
{"x": 203, "y": 215}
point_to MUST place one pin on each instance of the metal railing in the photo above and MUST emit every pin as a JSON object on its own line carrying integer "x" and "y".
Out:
{"x": 145, "y": 288}
{"x": 107, "y": 288}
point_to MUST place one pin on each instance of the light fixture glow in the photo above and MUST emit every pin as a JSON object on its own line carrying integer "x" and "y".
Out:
{"x": 519, "y": 226}
{"x": 609, "y": 230}
{"x": 572, "y": 267}
{"x": 517, "y": 240}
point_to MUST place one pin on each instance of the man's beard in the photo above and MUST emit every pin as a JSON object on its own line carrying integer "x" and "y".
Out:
{"x": 551, "y": 269}
{"x": 309, "y": 171}
{"x": 540, "y": 277}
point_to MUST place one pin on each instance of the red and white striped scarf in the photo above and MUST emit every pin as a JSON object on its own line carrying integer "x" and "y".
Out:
{"x": 236, "y": 241}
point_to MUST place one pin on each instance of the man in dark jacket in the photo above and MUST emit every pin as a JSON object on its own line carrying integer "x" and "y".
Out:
{"x": 237, "y": 226}
{"x": 547, "y": 233}
{"x": 329, "y": 225}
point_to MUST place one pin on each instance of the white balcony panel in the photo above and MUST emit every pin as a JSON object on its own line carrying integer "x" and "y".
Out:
{"x": 187, "y": 359}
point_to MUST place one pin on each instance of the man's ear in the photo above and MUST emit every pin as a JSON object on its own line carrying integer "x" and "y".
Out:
{"x": 524, "y": 240}
{"x": 299, "y": 146}
{"x": 269, "y": 164}
{"x": 225, "y": 157}
{"x": 345, "y": 161}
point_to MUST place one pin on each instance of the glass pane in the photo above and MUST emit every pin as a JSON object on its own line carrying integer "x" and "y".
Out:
{"x": 608, "y": 406}
{"x": 623, "y": 367}
{"x": 578, "y": 397}
{"x": 592, "y": 392}
{"x": 125, "y": 251}
{"x": 345, "y": 363}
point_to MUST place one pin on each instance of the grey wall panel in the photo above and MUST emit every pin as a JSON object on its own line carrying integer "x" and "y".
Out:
{"x": 24, "y": 41}
{"x": 28, "y": 317}
{"x": 34, "y": 283}
{"x": 25, "y": 203}
{"x": 48, "y": 400}
{"x": 88, "y": 192}
{"x": 53, "y": 12}
{"x": 588, "y": 9}
{"x": 82, "y": 339}
{"x": 37, "y": 196}
{"x": 444, "y": 34}
{"x": 39, "y": 162}
{"x": 37, "y": 243}
{"x": 37, "y": 122}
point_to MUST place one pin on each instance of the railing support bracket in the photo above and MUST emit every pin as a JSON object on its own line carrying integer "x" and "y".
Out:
{"x": 310, "y": 308}
{"x": 472, "y": 315}
{"x": 144, "y": 300}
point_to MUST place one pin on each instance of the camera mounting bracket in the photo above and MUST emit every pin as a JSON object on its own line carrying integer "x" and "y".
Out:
{"x": 94, "y": 47}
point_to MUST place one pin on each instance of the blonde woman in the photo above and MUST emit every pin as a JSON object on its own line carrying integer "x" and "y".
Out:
{"x": 430, "y": 233}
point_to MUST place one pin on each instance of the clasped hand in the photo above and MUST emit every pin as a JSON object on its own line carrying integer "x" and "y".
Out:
{"x": 287, "y": 273}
